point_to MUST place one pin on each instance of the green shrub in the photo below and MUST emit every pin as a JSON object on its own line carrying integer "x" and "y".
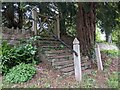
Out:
{"x": 20, "y": 73}
{"x": 111, "y": 53}
{"x": 12, "y": 56}
{"x": 4, "y": 56}
{"x": 98, "y": 36}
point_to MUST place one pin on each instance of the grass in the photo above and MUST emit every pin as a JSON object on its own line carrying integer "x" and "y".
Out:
{"x": 88, "y": 82}
{"x": 113, "y": 80}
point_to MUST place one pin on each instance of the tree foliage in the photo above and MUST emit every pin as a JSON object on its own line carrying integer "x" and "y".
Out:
{"x": 107, "y": 15}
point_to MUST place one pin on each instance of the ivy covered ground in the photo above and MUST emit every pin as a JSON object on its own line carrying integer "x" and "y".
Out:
{"x": 46, "y": 77}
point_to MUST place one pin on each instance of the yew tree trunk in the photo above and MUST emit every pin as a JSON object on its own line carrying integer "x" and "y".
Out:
{"x": 86, "y": 27}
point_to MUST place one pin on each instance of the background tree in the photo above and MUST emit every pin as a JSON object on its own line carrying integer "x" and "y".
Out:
{"x": 67, "y": 12}
{"x": 107, "y": 13}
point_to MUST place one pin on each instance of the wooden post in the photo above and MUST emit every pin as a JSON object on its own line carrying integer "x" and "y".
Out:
{"x": 77, "y": 60}
{"x": 98, "y": 57}
{"x": 58, "y": 26}
{"x": 55, "y": 27}
{"x": 34, "y": 16}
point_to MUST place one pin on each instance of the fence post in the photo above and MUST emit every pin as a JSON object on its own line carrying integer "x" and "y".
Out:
{"x": 58, "y": 26}
{"x": 98, "y": 57}
{"x": 34, "y": 16}
{"x": 77, "y": 60}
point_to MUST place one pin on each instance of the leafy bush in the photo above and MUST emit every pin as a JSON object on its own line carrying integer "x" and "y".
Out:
{"x": 116, "y": 35}
{"x": 98, "y": 36}
{"x": 111, "y": 53}
{"x": 20, "y": 73}
{"x": 5, "y": 54}
{"x": 12, "y": 56}
{"x": 113, "y": 80}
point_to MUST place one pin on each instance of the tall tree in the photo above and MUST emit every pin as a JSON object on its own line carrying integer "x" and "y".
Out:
{"x": 86, "y": 27}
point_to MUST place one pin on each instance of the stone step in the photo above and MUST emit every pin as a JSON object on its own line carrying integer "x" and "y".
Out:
{"x": 69, "y": 65}
{"x": 55, "y": 46}
{"x": 61, "y": 56}
{"x": 85, "y": 64}
{"x": 48, "y": 41}
{"x": 58, "y": 51}
{"x": 44, "y": 39}
{"x": 69, "y": 73}
{"x": 59, "y": 59}
{"x": 87, "y": 71}
{"x": 57, "y": 54}
{"x": 67, "y": 69}
{"x": 63, "y": 63}
{"x": 64, "y": 66}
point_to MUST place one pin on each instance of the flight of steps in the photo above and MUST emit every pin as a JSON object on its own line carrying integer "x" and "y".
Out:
{"x": 60, "y": 57}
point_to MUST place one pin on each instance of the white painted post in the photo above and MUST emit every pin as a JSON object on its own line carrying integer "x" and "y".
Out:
{"x": 34, "y": 16}
{"x": 98, "y": 57}
{"x": 77, "y": 60}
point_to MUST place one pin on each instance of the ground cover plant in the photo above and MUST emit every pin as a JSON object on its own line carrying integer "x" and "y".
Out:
{"x": 20, "y": 73}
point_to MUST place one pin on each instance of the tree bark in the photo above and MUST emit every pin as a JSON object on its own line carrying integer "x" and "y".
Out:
{"x": 20, "y": 21}
{"x": 109, "y": 37}
{"x": 86, "y": 28}
{"x": 62, "y": 26}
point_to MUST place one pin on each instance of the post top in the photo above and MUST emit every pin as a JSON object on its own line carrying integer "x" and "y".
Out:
{"x": 96, "y": 45}
{"x": 34, "y": 8}
{"x": 76, "y": 41}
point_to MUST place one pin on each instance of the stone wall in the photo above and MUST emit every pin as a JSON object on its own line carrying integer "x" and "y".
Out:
{"x": 14, "y": 35}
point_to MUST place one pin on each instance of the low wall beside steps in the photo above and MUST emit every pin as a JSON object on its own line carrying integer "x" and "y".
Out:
{"x": 13, "y": 35}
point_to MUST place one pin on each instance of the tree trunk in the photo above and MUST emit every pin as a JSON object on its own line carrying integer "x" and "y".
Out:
{"x": 20, "y": 22}
{"x": 62, "y": 27}
{"x": 9, "y": 15}
{"x": 86, "y": 28}
{"x": 108, "y": 37}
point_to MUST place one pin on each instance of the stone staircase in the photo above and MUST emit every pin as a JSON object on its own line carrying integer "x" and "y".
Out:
{"x": 60, "y": 57}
